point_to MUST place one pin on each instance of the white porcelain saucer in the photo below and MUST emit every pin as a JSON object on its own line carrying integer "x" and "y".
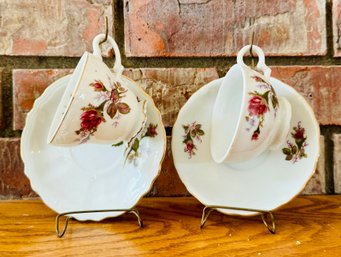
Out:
{"x": 89, "y": 176}
{"x": 264, "y": 183}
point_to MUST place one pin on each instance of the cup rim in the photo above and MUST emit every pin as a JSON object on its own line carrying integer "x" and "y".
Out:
{"x": 225, "y": 82}
{"x": 84, "y": 62}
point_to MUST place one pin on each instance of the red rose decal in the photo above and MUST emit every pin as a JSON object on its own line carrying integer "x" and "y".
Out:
{"x": 257, "y": 106}
{"x": 98, "y": 86}
{"x": 189, "y": 146}
{"x": 299, "y": 133}
{"x": 255, "y": 136}
{"x": 193, "y": 132}
{"x": 93, "y": 116}
{"x": 90, "y": 120}
{"x": 151, "y": 130}
{"x": 295, "y": 151}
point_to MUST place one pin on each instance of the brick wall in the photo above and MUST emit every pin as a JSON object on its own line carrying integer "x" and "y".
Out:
{"x": 172, "y": 47}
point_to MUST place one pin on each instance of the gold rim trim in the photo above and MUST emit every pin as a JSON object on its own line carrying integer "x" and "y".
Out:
{"x": 72, "y": 97}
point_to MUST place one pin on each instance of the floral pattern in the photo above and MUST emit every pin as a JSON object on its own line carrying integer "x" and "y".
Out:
{"x": 111, "y": 103}
{"x": 296, "y": 150}
{"x": 259, "y": 105}
{"x": 193, "y": 132}
{"x": 132, "y": 150}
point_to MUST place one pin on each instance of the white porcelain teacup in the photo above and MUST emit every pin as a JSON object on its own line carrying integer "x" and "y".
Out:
{"x": 97, "y": 106}
{"x": 248, "y": 117}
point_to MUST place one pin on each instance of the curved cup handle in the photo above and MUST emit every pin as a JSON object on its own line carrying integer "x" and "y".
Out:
{"x": 118, "y": 67}
{"x": 261, "y": 59}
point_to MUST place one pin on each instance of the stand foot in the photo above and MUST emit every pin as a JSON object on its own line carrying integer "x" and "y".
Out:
{"x": 264, "y": 214}
{"x": 60, "y": 232}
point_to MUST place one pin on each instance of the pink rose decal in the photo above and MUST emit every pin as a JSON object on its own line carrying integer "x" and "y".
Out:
{"x": 258, "y": 106}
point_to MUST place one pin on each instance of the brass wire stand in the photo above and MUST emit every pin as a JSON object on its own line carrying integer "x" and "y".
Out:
{"x": 264, "y": 214}
{"x": 60, "y": 233}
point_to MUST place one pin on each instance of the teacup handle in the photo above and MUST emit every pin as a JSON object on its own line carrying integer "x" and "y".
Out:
{"x": 118, "y": 67}
{"x": 261, "y": 59}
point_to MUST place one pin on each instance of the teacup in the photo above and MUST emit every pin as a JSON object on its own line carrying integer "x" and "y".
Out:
{"x": 248, "y": 117}
{"x": 97, "y": 106}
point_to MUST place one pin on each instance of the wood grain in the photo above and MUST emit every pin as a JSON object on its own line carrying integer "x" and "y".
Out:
{"x": 308, "y": 226}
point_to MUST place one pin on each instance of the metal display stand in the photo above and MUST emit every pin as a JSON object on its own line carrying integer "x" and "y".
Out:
{"x": 60, "y": 233}
{"x": 264, "y": 214}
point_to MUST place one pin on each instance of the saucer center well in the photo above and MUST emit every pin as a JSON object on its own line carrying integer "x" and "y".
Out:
{"x": 96, "y": 158}
{"x": 250, "y": 164}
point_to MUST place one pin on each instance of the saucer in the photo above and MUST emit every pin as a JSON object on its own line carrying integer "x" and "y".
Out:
{"x": 263, "y": 183}
{"x": 90, "y": 176}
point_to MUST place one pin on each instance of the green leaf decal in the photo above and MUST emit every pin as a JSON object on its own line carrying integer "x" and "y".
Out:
{"x": 123, "y": 108}
{"x": 286, "y": 151}
{"x": 265, "y": 96}
{"x": 294, "y": 149}
{"x": 135, "y": 145}
{"x": 288, "y": 158}
{"x": 200, "y": 132}
{"x": 198, "y": 126}
{"x": 112, "y": 110}
{"x": 118, "y": 144}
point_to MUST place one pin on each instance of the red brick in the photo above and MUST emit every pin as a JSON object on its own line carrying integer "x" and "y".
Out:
{"x": 171, "y": 87}
{"x": 221, "y": 27}
{"x": 51, "y": 28}
{"x": 337, "y": 27}
{"x": 319, "y": 85}
{"x": 317, "y": 184}
{"x": 13, "y": 182}
{"x": 27, "y": 86}
{"x": 168, "y": 182}
{"x": 337, "y": 163}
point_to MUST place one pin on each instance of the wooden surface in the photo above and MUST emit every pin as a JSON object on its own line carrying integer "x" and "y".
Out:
{"x": 308, "y": 226}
